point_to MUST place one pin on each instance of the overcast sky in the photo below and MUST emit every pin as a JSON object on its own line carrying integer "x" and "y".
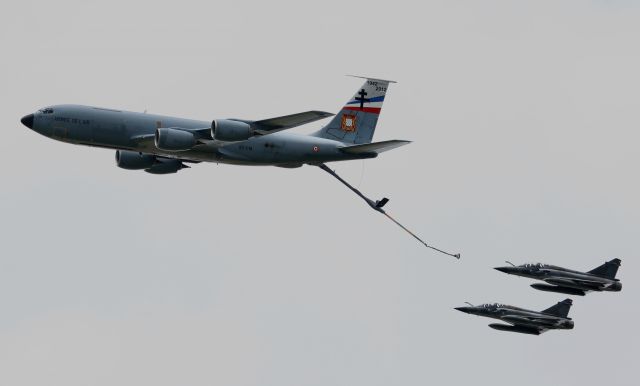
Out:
{"x": 525, "y": 122}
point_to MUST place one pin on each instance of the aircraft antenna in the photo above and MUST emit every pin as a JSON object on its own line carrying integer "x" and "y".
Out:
{"x": 470, "y": 304}
{"x": 508, "y": 262}
{"x": 377, "y": 206}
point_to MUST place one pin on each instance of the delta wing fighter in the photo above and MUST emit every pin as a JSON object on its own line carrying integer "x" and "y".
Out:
{"x": 568, "y": 281}
{"x": 524, "y": 321}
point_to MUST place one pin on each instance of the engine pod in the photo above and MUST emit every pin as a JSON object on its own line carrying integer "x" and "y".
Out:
{"x": 228, "y": 130}
{"x": 166, "y": 166}
{"x": 133, "y": 160}
{"x": 172, "y": 139}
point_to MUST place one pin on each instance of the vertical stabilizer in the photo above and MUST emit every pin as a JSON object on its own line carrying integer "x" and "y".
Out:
{"x": 607, "y": 270}
{"x": 356, "y": 121}
{"x": 561, "y": 309}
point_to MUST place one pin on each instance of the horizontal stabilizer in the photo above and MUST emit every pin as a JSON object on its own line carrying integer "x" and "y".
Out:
{"x": 374, "y": 147}
{"x": 271, "y": 125}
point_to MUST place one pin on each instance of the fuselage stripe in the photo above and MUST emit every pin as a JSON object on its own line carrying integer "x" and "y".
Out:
{"x": 367, "y": 100}
{"x": 373, "y": 110}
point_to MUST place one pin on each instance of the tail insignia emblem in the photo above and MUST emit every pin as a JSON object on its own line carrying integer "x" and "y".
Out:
{"x": 348, "y": 122}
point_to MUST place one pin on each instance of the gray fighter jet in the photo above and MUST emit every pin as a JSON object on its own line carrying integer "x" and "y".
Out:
{"x": 568, "y": 281}
{"x": 525, "y": 321}
{"x": 162, "y": 145}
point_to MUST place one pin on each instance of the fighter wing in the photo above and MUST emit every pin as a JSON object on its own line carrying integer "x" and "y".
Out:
{"x": 518, "y": 328}
{"x": 272, "y": 125}
{"x": 529, "y": 320}
{"x": 582, "y": 284}
{"x": 537, "y": 323}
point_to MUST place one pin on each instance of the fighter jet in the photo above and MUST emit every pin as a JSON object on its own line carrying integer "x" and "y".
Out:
{"x": 161, "y": 145}
{"x": 525, "y": 321}
{"x": 568, "y": 281}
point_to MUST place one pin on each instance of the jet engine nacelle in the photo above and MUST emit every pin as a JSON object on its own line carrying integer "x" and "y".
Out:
{"x": 133, "y": 160}
{"x": 615, "y": 286}
{"x": 174, "y": 139}
{"x": 229, "y": 131}
{"x": 166, "y": 166}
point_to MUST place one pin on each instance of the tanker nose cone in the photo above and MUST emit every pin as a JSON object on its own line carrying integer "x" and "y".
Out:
{"x": 27, "y": 120}
{"x": 463, "y": 309}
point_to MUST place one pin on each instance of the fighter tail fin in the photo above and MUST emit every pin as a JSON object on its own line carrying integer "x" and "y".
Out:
{"x": 608, "y": 269}
{"x": 356, "y": 121}
{"x": 561, "y": 309}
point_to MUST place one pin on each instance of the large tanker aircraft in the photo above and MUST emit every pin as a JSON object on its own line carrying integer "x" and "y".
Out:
{"x": 161, "y": 145}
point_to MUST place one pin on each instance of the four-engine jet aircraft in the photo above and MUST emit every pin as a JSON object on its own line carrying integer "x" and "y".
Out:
{"x": 160, "y": 144}
{"x": 567, "y": 281}
{"x": 525, "y": 321}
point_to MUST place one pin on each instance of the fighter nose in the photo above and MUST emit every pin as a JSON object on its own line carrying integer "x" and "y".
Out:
{"x": 27, "y": 120}
{"x": 504, "y": 269}
{"x": 463, "y": 309}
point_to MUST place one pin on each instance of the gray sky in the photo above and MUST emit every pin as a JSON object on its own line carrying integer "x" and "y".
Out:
{"x": 525, "y": 122}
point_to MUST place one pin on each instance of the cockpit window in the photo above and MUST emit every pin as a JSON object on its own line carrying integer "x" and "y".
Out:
{"x": 46, "y": 110}
{"x": 533, "y": 265}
